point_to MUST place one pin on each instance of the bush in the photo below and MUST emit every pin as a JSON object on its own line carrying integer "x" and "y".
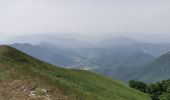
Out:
{"x": 137, "y": 85}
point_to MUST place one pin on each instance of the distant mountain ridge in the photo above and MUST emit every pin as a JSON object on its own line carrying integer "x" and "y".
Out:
{"x": 80, "y": 57}
{"x": 46, "y": 54}
{"x": 110, "y": 59}
{"x": 118, "y": 41}
{"x": 157, "y": 70}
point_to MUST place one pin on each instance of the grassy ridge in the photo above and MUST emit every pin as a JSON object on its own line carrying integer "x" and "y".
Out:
{"x": 61, "y": 83}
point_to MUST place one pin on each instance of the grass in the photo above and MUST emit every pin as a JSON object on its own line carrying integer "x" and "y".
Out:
{"x": 65, "y": 84}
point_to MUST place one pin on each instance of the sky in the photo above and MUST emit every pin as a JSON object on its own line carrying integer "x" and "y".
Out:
{"x": 81, "y": 17}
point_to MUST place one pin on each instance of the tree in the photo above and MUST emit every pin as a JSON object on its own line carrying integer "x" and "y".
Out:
{"x": 157, "y": 91}
{"x": 138, "y": 85}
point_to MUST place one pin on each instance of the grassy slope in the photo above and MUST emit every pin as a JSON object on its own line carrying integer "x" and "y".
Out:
{"x": 20, "y": 74}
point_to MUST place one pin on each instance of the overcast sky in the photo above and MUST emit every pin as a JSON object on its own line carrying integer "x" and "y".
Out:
{"x": 84, "y": 16}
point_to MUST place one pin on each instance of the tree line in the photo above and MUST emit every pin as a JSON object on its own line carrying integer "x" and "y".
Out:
{"x": 157, "y": 91}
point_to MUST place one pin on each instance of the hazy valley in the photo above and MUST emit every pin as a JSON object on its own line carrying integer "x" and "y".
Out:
{"x": 84, "y": 50}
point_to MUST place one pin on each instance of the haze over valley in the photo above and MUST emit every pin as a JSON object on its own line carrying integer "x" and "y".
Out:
{"x": 114, "y": 57}
{"x": 84, "y": 50}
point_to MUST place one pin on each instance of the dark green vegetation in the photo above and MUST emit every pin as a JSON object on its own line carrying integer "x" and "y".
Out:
{"x": 157, "y": 91}
{"x": 23, "y": 77}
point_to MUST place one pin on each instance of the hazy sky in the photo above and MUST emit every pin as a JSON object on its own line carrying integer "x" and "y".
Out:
{"x": 83, "y": 16}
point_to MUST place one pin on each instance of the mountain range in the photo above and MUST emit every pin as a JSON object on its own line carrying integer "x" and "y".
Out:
{"x": 119, "y": 58}
{"x": 23, "y": 77}
{"x": 156, "y": 70}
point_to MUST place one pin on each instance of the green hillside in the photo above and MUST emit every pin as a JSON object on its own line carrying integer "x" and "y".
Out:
{"x": 23, "y": 77}
{"x": 157, "y": 70}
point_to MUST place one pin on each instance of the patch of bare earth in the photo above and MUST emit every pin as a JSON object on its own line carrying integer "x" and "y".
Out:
{"x": 24, "y": 90}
